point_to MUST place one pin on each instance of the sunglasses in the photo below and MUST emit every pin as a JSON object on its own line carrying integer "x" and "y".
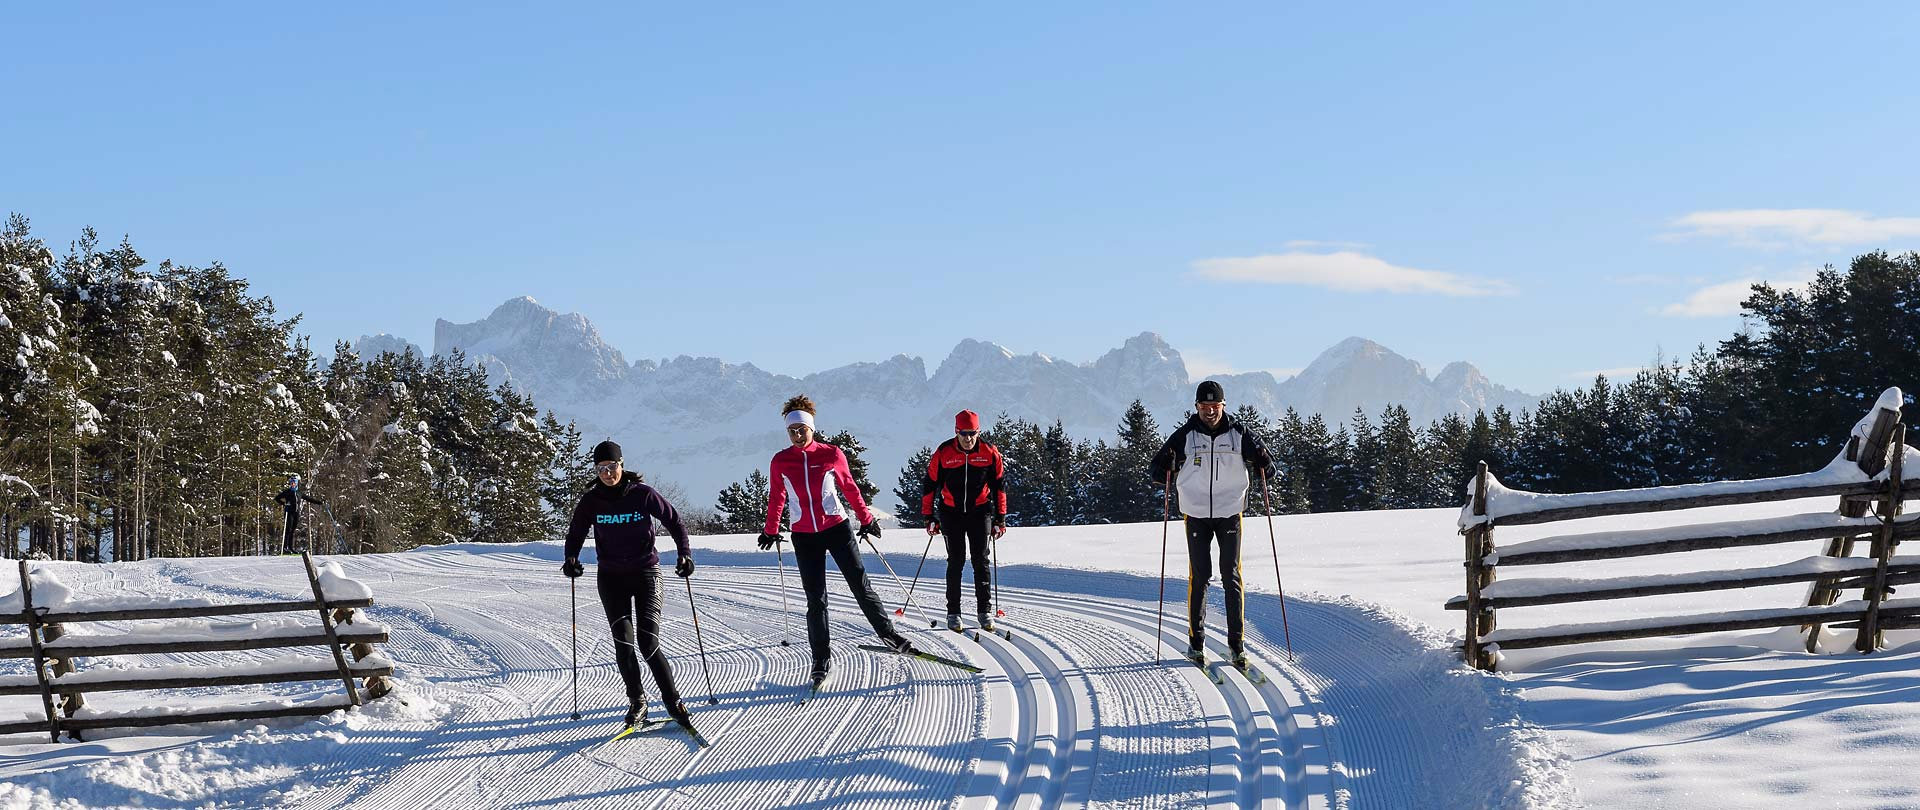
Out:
{"x": 967, "y": 433}
{"x": 605, "y": 467}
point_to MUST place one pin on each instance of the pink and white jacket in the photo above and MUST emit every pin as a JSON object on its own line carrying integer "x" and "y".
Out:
{"x": 809, "y": 480}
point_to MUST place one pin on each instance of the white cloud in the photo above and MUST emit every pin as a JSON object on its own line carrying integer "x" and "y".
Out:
{"x": 1782, "y": 226}
{"x": 1719, "y": 300}
{"x": 1347, "y": 271}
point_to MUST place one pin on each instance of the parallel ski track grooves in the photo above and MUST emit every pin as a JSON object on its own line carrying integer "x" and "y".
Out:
{"x": 1134, "y": 693}
{"x": 886, "y": 732}
{"x": 1257, "y": 748}
{"x": 1310, "y": 743}
{"x": 1072, "y": 751}
{"x": 906, "y": 686}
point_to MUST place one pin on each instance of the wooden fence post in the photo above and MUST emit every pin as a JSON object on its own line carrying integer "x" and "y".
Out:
{"x": 326, "y": 621}
{"x": 376, "y": 686}
{"x": 1479, "y": 542}
{"x": 39, "y": 651}
{"x": 52, "y": 632}
{"x": 1871, "y": 456}
{"x": 1870, "y": 637}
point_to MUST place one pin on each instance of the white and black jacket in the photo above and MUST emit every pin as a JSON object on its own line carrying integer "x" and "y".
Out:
{"x": 1216, "y": 466}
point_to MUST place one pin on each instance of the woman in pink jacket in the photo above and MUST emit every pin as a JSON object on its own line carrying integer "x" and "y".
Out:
{"x": 808, "y": 478}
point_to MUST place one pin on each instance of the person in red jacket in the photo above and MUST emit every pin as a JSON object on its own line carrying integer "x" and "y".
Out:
{"x": 966, "y": 481}
{"x": 808, "y": 479}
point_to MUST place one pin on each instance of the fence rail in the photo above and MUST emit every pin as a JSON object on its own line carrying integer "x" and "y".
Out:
{"x": 1868, "y": 477}
{"x": 53, "y": 653}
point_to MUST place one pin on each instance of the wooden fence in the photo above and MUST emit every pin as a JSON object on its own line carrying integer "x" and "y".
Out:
{"x": 61, "y": 689}
{"x": 1870, "y": 475}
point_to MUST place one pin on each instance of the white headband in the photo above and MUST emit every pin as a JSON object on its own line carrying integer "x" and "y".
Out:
{"x": 799, "y": 418}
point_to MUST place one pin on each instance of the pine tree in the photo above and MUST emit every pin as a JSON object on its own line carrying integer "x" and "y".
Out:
{"x": 909, "y": 488}
{"x": 742, "y": 506}
{"x": 857, "y": 465}
{"x": 1125, "y": 493}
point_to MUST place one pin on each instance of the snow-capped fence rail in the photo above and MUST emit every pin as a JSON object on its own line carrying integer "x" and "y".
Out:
{"x": 341, "y": 629}
{"x": 1869, "y": 475}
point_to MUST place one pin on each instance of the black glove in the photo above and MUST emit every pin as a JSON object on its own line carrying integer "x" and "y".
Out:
{"x": 870, "y": 529}
{"x": 684, "y": 567}
{"x": 999, "y": 525}
{"x": 572, "y": 568}
{"x": 767, "y": 540}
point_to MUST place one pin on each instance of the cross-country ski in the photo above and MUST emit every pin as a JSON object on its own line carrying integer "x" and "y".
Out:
{"x": 923, "y": 656}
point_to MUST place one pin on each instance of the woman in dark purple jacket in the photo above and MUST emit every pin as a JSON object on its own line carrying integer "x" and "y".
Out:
{"x": 621, "y": 511}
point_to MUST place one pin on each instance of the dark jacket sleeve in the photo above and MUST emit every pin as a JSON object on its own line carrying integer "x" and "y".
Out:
{"x": 998, "y": 483}
{"x": 1253, "y": 449}
{"x": 285, "y": 498}
{"x": 310, "y": 499}
{"x": 577, "y": 528}
{"x": 669, "y": 517}
{"x": 1169, "y": 456}
{"x": 930, "y": 483}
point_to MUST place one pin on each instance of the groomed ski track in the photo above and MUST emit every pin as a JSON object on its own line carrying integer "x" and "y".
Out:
{"x": 1078, "y": 708}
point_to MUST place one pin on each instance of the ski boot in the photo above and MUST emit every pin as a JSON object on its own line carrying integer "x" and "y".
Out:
{"x": 1240, "y": 660}
{"x": 901, "y": 645}
{"x": 1197, "y": 656}
{"x": 986, "y": 622}
{"x": 678, "y": 711}
{"x": 637, "y": 711}
{"x": 953, "y": 622}
{"x": 819, "y": 676}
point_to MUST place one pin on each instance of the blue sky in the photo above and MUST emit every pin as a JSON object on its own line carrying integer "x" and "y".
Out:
{"x": 1543, "y": 191}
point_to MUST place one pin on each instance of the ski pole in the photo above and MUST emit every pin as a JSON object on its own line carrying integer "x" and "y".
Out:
{"x": 993, "y": 550}
{"x": 902, "y": 610}
{"x": 573, "y": 587}
{"x": 780, "y": 557}
{"x": 1160, "y": 613}
{"x": 890, "y": 572}
{"x": 1266, "y": 496}
{"x": 698, "y": 640}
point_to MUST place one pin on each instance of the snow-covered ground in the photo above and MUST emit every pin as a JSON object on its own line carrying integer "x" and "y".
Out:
{"x": 1374, "y": 710}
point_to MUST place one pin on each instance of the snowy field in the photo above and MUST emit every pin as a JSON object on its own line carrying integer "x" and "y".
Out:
{"x": 1079, "y": 709}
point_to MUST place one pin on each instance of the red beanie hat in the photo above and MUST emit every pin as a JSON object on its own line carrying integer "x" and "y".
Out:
{"x": 966, "y": 420}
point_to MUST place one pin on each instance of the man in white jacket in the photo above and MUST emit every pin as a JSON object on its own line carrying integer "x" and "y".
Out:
{"x": 1213, "y": 460}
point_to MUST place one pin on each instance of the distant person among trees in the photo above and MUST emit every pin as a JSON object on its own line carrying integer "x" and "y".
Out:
{"x": 966, "y": 502}
{"x": 808, "y": 479}
{"x": 1213, "y": 455}
{"x": 289, "y": 500}
{"x": 621, "y": 510}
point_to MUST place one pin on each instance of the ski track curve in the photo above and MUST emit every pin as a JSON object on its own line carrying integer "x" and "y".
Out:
{"x": 1079, "y": 705}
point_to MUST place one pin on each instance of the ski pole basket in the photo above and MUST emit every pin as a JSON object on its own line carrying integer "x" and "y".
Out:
{"x": 341, "y": 629}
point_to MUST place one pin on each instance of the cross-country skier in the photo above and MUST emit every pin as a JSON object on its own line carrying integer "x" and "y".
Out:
{"x": 621, "y": 511}
{"x": 809, "y": 478}
{"x": 1214, "y": 455}
{"x": 966, "y": 483}
{"x": 289, "y": 500}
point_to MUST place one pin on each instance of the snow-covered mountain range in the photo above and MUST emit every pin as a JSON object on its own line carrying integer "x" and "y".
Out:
{"x": 702, "y": 423}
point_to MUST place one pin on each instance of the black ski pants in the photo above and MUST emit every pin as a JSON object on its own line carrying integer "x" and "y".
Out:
{"x": 964, "y": 532}
{"x": 632, "y": 601}
{"x": 810, "y": 550}
{"x": 290, "y": 542}
{"x": 1201, "y": 534}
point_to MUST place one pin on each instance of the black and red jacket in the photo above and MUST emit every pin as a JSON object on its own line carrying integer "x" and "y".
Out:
{"x": 965, "y": 481}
